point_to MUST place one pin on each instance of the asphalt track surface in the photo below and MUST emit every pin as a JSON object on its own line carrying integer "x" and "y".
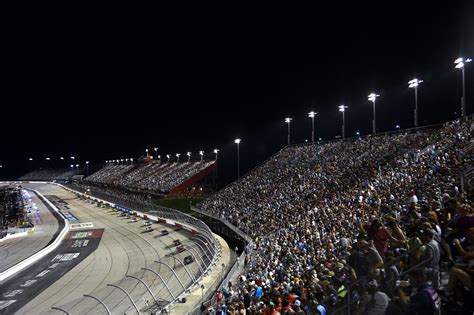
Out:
{"x": 123, "y": 250}
{"x": 14, "y": 250}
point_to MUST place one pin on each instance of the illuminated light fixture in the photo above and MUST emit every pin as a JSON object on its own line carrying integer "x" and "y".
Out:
{"x": 373, "y": 97}
{"x": 342, "y": 109}
{"x": 460, "y": 64}
{"x": 311, "y": 115}
{"x": 413, "y": 84}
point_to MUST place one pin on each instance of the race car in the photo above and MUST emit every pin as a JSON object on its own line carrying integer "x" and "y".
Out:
{"x": 177, "y": 242}
{"x": 188, "y": 259}
{"x": 164, "y": 232}
{"x": 148, "y": 229}
{"x": 180, "y": 249}
{"x": 134, "y": 220}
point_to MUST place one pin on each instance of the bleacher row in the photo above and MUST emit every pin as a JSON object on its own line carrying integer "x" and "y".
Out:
{"x": 49, "y": 174}
{"x": 151, "y": 176}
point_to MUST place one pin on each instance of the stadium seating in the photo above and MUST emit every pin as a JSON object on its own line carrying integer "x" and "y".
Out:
{"x": 360, "y": 214}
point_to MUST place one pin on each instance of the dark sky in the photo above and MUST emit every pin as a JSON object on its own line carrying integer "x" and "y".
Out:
{"x": 107, "y": 82}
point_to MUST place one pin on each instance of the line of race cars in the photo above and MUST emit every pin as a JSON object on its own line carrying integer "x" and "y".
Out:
{"x": 179, "y": 247}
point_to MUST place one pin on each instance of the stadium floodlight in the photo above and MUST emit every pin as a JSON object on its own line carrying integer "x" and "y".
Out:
{"x": 156, "y": 152}
{"x": 47, "y": 159}
{"x": 72, "y": 166}
{"x": 373, "y": 97}
{"x": 216, "y": 151}
{"x": 159, "y": 157}
{"x": 131, "y": 160}
{"x": 357, "y": 133}
{"x": 77, "y": 169}
{"x": 397, "y": 126}
{"x": 61, "y": 158}
{"x": 311, "y": 115}
{"x": 73, "y": 158}
{"x": 189, "y": 156}
{"x": 178, "y": 155}
{"x": 30, "y": 159}
{"x": 201, "y": 153}
{"x": 237, "y": 142}
{"x": 460, "y": 64}
{"x": 288, "y": 121}
{"x": 87, "y": 168}
{"x": 342, "y": 109}
{"x": 413, "y": 84}
{"x": 1, "y": 166}
{"x": 168, "y": 156}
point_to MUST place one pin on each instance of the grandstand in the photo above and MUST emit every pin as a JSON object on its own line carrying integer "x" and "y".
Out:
{"x": 153, "y": 176}
{"x": 49, "y": 174}
{"x": 339, "y": 223}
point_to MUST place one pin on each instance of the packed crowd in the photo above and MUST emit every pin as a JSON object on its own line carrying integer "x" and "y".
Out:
{"x": 49, "y": 174}
{"x": 152, "y": 176}
{"x": 346, "y": 220}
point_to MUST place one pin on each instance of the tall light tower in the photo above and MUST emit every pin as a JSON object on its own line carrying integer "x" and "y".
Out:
{"x": 311, "y": 115}
{"x": 146, "y": 153}
{"x": 237, "y": 141}
{"x": 372, "y": 97}
{"x": 201, "y": 153}
{"x": 216, "y": 151}
{"x": 178, "y": 155}
{"x": 156, "y": 152}
{"x": 460, "y": 64}
{"x": 189, "y": 156}
{"x": 342, "y": 109}
{"x": 168, "y": 156}
{"x": 288, "y": 121}
{"x": 77, "y": 169}
{"x": 87, "y": 168}
{"x": 413, "y": 84}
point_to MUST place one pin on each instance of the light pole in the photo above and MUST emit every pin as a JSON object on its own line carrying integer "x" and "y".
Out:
{"x": 77, "y": 169}
{"x": 87, "y": 168}
{"x": 156, "y": 152}
{"x": 288, "y": 121}
{"x": 237, "y": 141}
{"x": 311, "y": 115}
{"x": 189, "y": 156}
{"x": 216, "y": 151}
{"x": 146, "y": 153}
{"x": 177, "y": 155}
{"x": 342, "y": 109}
{"x": 168, "y": 156}
{"x": 413, "y": 84}
{"x": 460, "y": 64}
{"x": 131, "y": 161}
{"x": 201, "y": 153}
{"x": 372, "y": 97}
{"x": 72, "y": 169}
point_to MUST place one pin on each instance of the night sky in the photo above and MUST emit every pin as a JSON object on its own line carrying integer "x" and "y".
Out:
{"x": 107, "y": 82}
